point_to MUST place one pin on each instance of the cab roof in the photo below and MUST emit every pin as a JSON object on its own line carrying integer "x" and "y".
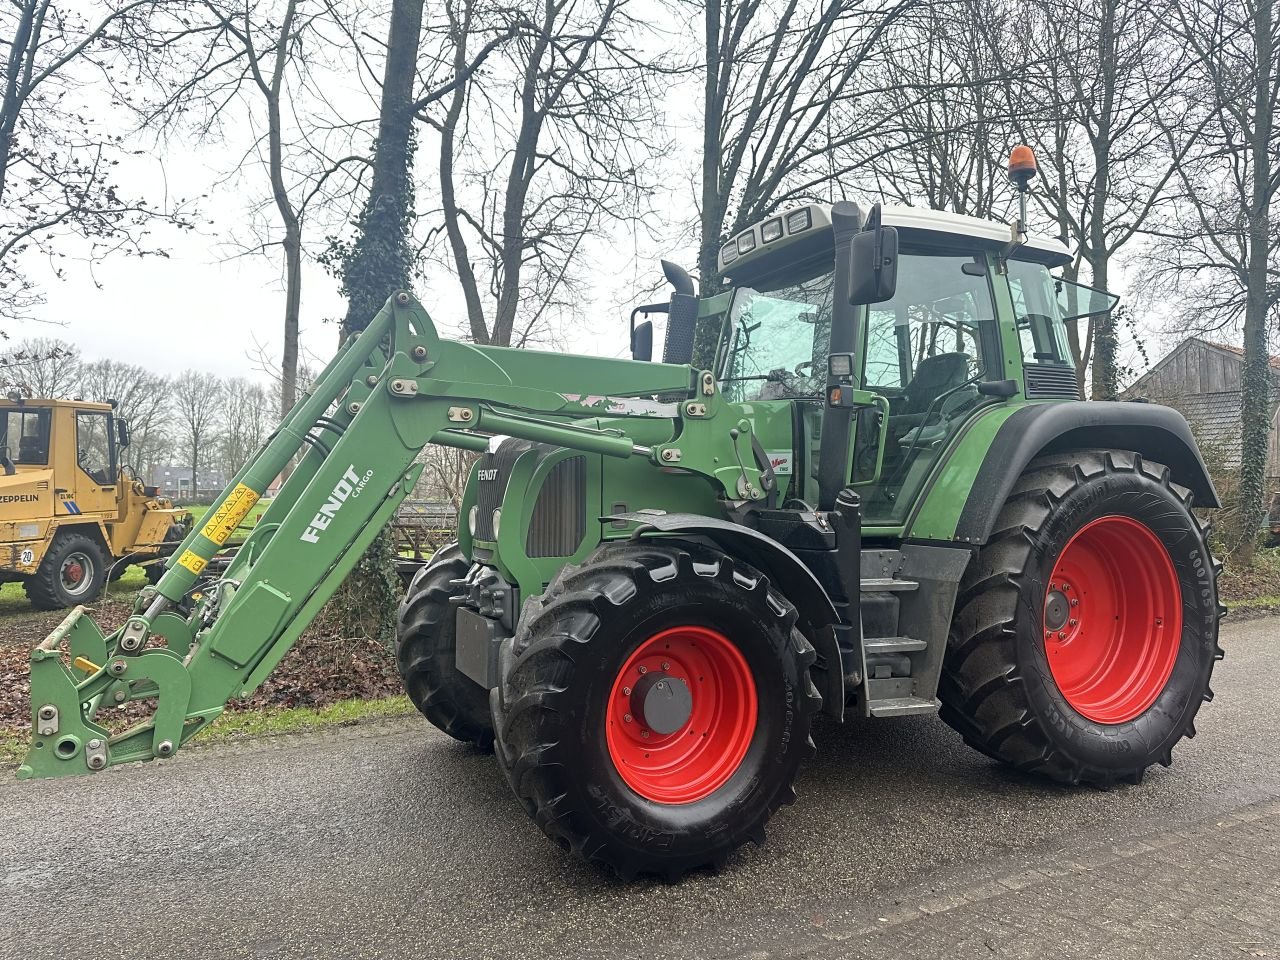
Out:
{"x": 804, "y": 232}
{"x": 8, "y": 403}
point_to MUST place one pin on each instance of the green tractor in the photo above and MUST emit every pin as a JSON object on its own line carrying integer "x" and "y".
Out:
{"x": 859, "y": 483}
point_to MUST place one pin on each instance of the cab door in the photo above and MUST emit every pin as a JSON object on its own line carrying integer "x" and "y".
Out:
{"x": 96, "y": 472}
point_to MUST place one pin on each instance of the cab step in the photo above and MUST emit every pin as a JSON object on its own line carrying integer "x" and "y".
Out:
{"x": 902, "y": 707}
{"x": 878, "y": 645}
{"x": 881, "y": 584}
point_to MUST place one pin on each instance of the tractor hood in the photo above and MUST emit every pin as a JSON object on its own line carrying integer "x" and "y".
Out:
{"x": 25, "y": 495}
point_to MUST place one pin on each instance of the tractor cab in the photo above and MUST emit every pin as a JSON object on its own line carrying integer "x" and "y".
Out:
{"x": 939, "y": 347}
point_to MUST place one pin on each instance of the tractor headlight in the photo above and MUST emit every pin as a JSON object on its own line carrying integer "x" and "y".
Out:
{"x": 746, "y": 243}
{"x": 473, "y": 517}
{"x": 771, "y": 230}
{"x": 497, "y": 522}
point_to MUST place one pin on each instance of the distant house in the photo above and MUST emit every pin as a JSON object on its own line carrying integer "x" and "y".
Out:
{"x": 174, "y": 481}
{"x": 1202, "y": 380}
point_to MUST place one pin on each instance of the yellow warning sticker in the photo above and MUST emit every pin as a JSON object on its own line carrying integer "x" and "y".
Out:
{"x": 191, "y": 561}
{"x": 227, "y": 517}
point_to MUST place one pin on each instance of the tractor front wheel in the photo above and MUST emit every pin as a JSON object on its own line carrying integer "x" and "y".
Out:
{"x": 426, "y": 653}
{"x": 72, "y": 572}
{"x": 1087, "y": 627}
{"x": 655, "y": 706}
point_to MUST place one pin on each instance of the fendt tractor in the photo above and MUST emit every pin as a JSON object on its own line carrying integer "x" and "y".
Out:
{"x": 71, "y": 515}
{"x": 859, "y": 483}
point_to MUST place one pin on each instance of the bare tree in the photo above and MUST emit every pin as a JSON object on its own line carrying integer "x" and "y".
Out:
{"x": 264, "y": 64}
{"x": 1220, "y": 243}
{"x": 1093, "y": 107}
{"x": 780, "y": 92}
{"x": 525, "y": 178}
{"x": 57, "y": 152}
{"x": 142, "y": 398}
{"x": 198, "y": 409}
{"x": 41, "y": 367}
{"x": 249, "y": 417}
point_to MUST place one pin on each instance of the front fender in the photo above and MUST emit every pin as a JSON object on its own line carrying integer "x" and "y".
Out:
{"x": 783, "y": 568}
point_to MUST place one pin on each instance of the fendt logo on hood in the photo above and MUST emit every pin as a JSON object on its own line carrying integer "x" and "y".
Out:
{"x": 348, "y": 488}
{"x": 488, "y": 473}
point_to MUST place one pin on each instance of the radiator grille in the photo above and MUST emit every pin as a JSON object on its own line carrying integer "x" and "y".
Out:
{"x": 494, "y": 473}
{"x": 1054, "y": 381}
{"x": 559, "y": 519}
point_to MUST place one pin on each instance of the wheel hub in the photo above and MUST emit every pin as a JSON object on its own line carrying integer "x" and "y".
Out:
{"x": 661, "y": 702}
{"x": 1057, "y": 610}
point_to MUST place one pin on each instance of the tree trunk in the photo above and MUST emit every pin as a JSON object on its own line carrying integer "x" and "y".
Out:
{"x": 1255, "y": 384}
{"x": 713, "y": 206}
{"x": 1106, "y": 375}
{"x": 380, "y": 260}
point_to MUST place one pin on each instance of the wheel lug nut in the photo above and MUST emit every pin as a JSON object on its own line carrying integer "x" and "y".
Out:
{"x": 643, "y": 669}
{"x": 644, "y": 734}
{"x": 1073, "y": 623}
{"x": 1062, "y": 634}
{"x": 626, "y": 718}
{"x": 665, "y": 665}
{"x": 1075, "y": 602}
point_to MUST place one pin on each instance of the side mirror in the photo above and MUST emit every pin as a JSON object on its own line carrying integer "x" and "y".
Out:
{"x": 642, "y": 341}
{"x": 874, "y": 262}
{"x": 122, "y": 432}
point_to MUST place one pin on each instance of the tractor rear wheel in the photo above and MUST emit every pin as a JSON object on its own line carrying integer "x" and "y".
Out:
{"x": 655, "y": 706}
{"x": 72, "y": 572}
{"x": 426, "y": 653}
{"x": 1087, "y": 627}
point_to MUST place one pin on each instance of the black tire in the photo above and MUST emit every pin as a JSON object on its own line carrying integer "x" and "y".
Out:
{"x": 48, "y": 588}
{"x": 998, "y": 688}
{"x": 426, "y": 654}
{"x": 156, "y": 568}
{"x": 559, "y": 673}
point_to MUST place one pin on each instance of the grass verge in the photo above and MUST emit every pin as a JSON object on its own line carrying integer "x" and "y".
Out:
{"x": 252, "y": 724}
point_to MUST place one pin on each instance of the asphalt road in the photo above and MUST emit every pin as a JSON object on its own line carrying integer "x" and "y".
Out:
{"x": 392, "y": 841}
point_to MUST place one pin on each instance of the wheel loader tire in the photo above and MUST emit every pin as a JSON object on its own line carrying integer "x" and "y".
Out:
{"x": 1087, "y": 627}
{"x": 655, "y": 707}
{"x": 72, "y": 572}
{"x": 155, "y": 569}
{"x": 426, "y": 650}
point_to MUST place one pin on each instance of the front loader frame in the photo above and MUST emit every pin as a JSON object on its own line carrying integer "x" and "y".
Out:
{"x": 389, "y": 392}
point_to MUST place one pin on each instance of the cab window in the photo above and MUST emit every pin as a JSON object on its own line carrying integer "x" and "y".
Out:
{"x": 925, "y": 351}
{"x": 93, "y": 446}
{"x": 779, "y": 341}
{"x": 24, "y": 435}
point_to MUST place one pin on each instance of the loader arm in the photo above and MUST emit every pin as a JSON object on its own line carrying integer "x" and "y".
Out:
{"x": 192, "y": 642}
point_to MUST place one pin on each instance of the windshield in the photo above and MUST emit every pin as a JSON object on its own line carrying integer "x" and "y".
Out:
{"x": 779, "y": 341}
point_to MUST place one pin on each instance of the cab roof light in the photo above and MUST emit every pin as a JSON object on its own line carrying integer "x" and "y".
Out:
{"x": 746, "y": 241}
{"x": 772, "y": 230}
{"x": 798, "y": 220}
{"x": 729, "y": 253}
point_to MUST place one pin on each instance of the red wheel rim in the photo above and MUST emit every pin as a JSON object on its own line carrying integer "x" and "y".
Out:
{"x": 1112, "y": 619}
{"x": 695, "y": 760}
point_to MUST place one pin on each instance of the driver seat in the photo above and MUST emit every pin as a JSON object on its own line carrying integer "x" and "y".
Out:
{"x": 935, "y": 376}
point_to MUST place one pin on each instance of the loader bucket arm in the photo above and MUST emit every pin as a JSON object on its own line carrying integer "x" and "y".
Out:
{"x": 193, "y": 642}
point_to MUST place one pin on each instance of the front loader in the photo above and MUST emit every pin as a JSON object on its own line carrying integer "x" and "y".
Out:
{"x": 858, "y": 482}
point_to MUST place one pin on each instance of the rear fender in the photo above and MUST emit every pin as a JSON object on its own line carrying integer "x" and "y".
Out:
{"x": 1156, "y": 432}
{"x": 784, "y": 569}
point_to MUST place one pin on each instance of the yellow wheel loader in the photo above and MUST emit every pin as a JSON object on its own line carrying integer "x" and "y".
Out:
{"x": 71, "y": 516}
